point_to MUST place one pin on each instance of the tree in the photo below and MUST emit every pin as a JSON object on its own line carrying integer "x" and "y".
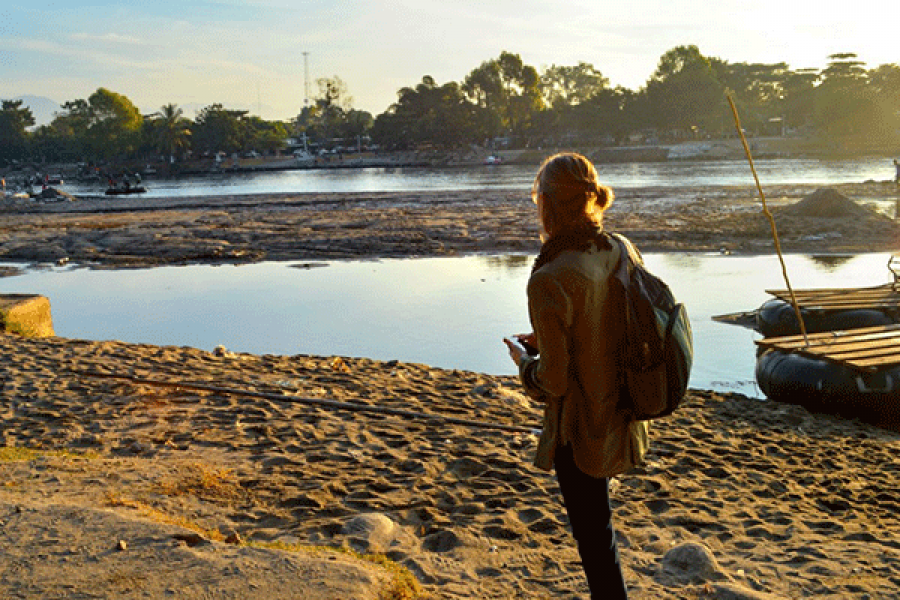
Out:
{"x": 265, "y": 136}
{"x": 172, "y": 132}
{"x": 569, "y": 86}
{"x": 428, "y": 114}
{"x": 114, "y": 124}
{"x": 357, "y": 124}
{"x": 797, "y": 97}
{"x": 66, "y": 136}
{"x": 581, "y": 105}
{"x": 217, "y": 129}
{"x": 331, "y": 118}
{"x": 509, "y": 92}
{"x": 14, "y": 121}
{"x": 843, "y": 103}
{"x": 684, "y": 94}
{"x": 757, "y": 88}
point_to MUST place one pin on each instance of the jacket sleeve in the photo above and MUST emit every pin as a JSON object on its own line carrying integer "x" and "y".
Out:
{"x": 550, "y": 309}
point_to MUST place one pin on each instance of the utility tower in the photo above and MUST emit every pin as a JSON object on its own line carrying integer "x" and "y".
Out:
{"x": 306, "y": 79}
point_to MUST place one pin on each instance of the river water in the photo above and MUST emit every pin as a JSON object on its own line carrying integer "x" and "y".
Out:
{"x": 627, "y": 175}
{"x": 446, "y": 312}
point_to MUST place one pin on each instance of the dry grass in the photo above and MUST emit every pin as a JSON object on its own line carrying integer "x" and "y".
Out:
{"x": 145, "y": 510}
{"x": 207, "y": 483}
{"x": 18, "y": 454}
{"x": 403, "y": 585}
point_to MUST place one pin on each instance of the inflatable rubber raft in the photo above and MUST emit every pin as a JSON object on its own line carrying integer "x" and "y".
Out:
{"x": 854, "y": 373}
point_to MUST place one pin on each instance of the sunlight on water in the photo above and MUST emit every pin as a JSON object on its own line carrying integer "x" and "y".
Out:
{"x": 619, "y": 176}
{"x": 446, "y": 312}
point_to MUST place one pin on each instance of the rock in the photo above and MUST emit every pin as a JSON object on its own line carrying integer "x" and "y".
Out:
{"x": 691, "y": 561}
{"x": 223, "y": 352}
{"x": 26, "y": 314}
{"x": 376, "y": 532}
{"x": 234, "y": 538}
{"x": 191, "y": 539}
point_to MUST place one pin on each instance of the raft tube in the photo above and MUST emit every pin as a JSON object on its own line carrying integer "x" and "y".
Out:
{"x": 828, "y": 387}
{"x": 777, "y": 318}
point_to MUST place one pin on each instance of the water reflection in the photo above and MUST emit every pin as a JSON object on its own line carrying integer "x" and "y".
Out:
{"x": 831, "y": 262}
{"x": 510, "y": 262}
{"x": 520, "y": 177}
{"x": 446, "y": 312}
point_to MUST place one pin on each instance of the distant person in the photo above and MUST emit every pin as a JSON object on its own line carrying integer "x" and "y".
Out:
{"x": 572, "y": 366}
{"x": 897, "y": 172}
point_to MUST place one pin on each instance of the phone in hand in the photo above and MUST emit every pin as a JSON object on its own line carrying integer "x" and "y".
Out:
{"x": 522, "y": 346}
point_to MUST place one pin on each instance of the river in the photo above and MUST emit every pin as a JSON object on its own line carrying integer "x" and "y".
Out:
{"x": 670, "y": 174}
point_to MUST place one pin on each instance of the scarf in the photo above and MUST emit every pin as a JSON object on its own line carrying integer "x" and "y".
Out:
{"x": 578, "y": 239}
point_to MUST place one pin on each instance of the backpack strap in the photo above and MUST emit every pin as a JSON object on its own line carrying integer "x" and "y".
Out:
{"x": 626, "y": 262}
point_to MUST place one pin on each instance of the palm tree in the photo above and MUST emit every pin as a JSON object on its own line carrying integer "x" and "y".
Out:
{"x": 174, "y": 132}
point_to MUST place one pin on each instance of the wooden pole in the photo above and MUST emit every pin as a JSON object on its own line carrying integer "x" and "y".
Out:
{"x": 762, "y": 196}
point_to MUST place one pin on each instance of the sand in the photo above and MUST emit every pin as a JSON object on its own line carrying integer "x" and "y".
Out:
{"x": 775, "y": 500}
{"x": 146, "y": 490}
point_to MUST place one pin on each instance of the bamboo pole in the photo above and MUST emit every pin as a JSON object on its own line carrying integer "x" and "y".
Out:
{"x": 771, "y": 219}
{"x": 323, "y": 402}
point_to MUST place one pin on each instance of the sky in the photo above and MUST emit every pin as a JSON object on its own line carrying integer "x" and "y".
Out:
{"x": 249, "y": 54}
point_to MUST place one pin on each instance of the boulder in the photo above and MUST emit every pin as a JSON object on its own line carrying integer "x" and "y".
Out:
{"x": 692, "y": 562}
{"x": 26, "y": 314}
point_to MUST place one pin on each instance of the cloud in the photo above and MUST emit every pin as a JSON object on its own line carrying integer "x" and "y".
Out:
{"x": 113, "y": 38}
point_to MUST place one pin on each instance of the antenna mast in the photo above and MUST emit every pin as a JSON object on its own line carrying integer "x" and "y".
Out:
{"x": 306, "y": 79}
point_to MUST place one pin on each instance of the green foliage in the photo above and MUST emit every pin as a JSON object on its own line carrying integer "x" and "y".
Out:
{"x": 508, "y": 91}
{"x": 331, "y": 121}
{"x": 114, "y": 124}
{"x": 563, "y": 86}
{"x": 170, "y": 131}
{"x": 217, "y": 129}
{"x": 501, "y": 98}
{"x": 428, "y": 114}
{"x": 14, "y": 119}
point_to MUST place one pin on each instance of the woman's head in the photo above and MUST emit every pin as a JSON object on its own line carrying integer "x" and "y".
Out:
{"x": 568, "y": 194}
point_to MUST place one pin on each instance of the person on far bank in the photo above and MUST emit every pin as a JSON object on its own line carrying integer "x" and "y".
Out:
{"x": 897, "y": 172}
{"x": 577, "y": 325}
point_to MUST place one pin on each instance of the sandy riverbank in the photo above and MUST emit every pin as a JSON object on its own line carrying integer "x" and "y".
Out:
{"x": 739, "y": 498}
{"x": 221, "y": 229}
{"x": 187, "y": 494}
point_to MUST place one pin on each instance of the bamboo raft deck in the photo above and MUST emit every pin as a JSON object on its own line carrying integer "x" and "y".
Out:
{"x": 881, "y": 297}
{"x": 868, "y": 349}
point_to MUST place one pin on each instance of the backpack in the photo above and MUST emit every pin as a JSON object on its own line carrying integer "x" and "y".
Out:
{"x": 658, "y": 348}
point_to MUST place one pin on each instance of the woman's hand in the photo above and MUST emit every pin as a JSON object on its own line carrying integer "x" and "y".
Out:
{"x": 516, "y": 352}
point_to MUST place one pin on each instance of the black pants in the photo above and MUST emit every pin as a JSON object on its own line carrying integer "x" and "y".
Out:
{"x": 587, "y": 503}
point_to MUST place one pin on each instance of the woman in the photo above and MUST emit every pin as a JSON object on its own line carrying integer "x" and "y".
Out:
{"x": 577, "y": 321}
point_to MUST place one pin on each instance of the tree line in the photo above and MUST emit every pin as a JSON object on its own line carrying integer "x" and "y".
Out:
{"x": 501, "y": 101}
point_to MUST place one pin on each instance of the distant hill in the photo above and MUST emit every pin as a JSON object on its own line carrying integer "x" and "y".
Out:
{"x": 42, "y": 108}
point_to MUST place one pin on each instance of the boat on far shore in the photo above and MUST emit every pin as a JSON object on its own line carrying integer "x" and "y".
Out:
{"x": 123, "y": 191}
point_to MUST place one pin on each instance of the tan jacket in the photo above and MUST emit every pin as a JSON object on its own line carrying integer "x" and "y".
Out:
{"x": 577, "y": 325}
